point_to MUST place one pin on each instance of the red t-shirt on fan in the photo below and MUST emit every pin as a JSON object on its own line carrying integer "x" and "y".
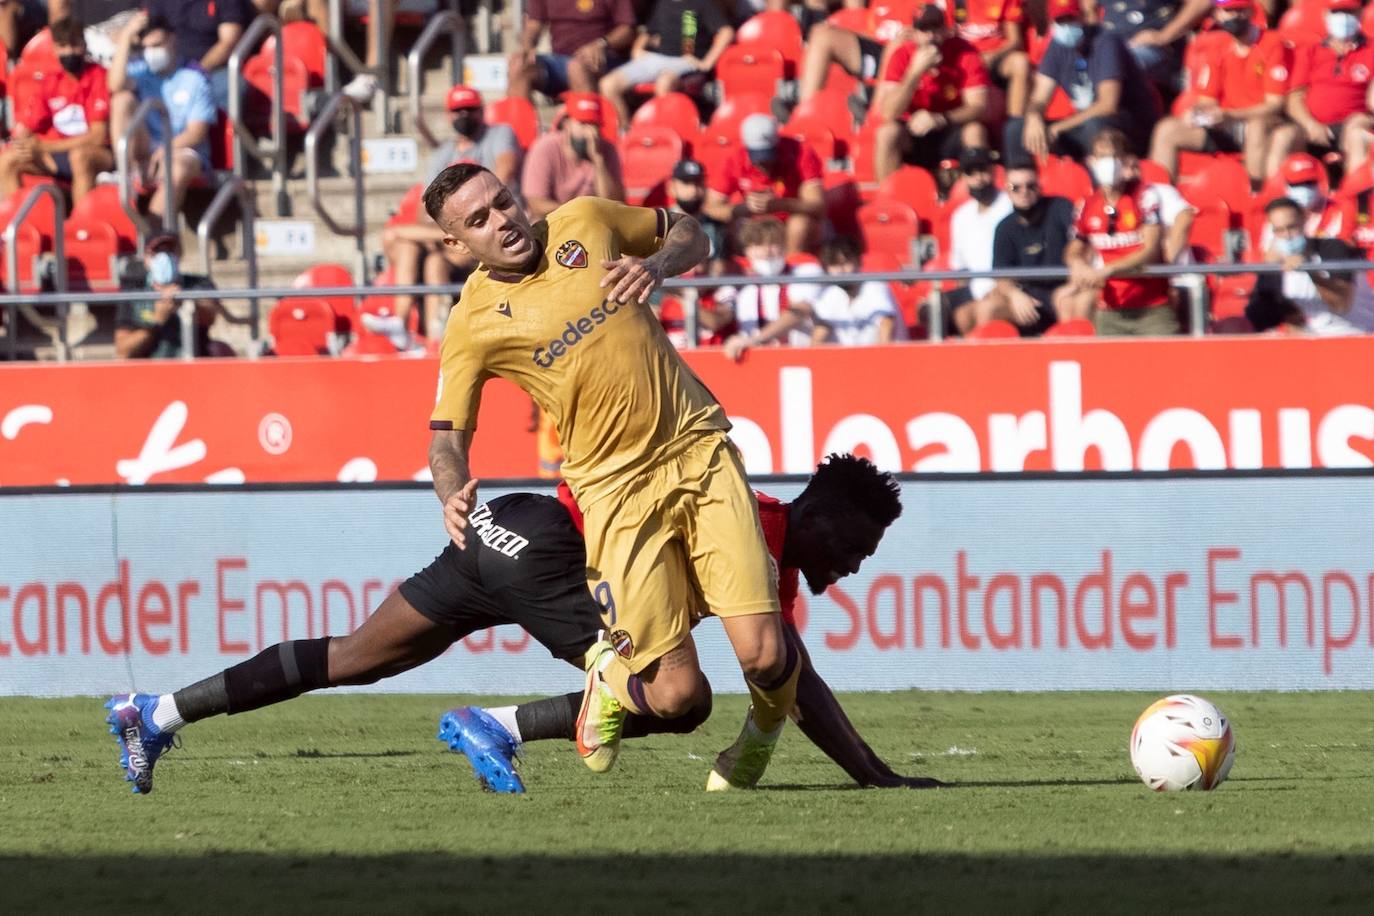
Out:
{"x": 980, "y": 22}
{"x": 942, "y": 88}
{"x": 63, "y": 106}
{"x": 1336, "y": 86}
{"x": 1114, "y": 232}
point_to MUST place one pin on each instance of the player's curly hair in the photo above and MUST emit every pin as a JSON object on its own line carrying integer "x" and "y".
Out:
{"x": 857, "y": 480}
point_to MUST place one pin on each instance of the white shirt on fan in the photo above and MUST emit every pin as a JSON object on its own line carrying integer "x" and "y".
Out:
{"x": 853, "y": 321}
{"x": 971, "y": 230}
{"x": 756, "y": 306}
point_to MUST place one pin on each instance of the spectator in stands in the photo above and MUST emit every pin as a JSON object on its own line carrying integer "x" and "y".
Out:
{"x": 1175, "y": 212}
{"x": 1242, "y": 85}
{"x": 183, "y": 88}
{"x": 416, "y": 249}
{"x": 573, "y": 160}
{"x": 1035, "y": 234}
{"x": 826, "y": 44}
{"x": 64, "y": 131}
{"x": 774, "y": 175}
{"x": 1118, "y": 231}
{"x": 153, "y": 328}
{"x": 972, "y": 228}
{"x": 854, "y": 314}
{"x": 771, "y": 312}
{"x": 20, "y": 20}
{"x": 1155, "y": 31}
{"x": 1303, "y": 183}
{"x": 1103, "y": 81}
{"x": 1318, "y": 302}
{"x": 687, "y": 194}
{"x": 680, "y": 37}
{"x": 932, "y": 98}
{"x": 206, "y": 31}
{"x": 995, "y": 28}
{"x": 588, "y": 38}
{"x": 1332, "y": 85}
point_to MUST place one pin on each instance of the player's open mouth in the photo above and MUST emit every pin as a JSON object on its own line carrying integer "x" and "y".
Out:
{"x": 514, "y": 241}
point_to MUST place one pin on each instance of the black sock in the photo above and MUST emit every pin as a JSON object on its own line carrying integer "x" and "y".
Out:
{"x": 277, "y": 673}
{"x": 551, "y": 717}
{"x": 203, "y": 699}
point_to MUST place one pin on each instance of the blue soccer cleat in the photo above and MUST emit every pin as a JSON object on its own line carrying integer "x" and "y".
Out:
{"x": 140, "y": 741}
{"x": 489, "y": 747}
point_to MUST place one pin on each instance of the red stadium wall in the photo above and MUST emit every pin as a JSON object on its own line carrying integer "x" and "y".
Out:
{"x": 1119, "y": 405}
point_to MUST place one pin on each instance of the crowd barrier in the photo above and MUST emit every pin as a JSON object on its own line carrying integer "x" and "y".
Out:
{"x": 1115, "y": 405}
{"x": 1164, "y": 583}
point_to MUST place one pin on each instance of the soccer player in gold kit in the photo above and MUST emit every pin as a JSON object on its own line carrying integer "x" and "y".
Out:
{"x": 672, "y": 528}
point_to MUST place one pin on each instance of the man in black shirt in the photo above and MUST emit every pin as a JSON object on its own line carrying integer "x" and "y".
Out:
{"x": 1034, "y": 235}
{"x": 152, "y": 328}
{"x": 681, "y": 37}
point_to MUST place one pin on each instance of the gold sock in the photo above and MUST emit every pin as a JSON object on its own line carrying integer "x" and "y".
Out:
{"x": 772, "y": 706}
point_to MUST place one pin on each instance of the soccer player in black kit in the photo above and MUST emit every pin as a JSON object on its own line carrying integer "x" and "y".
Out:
{"x": 527, "y": 566}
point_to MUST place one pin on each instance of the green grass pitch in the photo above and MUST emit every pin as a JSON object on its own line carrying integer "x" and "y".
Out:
{"x": 347, "y": 804}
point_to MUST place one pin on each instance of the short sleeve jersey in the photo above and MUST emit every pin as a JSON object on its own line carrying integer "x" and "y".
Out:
{"x": 66, "y": 106}
{"x": 496, "y": 140}
{"x": 1237, "y": 75}
{"x": 942, "y": 88}
{"x": 685, "y": 27}
{"x": 185, "y": 92}
{"x": 618, "y": 392}
{"x": 795, "y": 165}
{"x": 982, "y": 23}
{"x": 1114, "y": 231}
{"x": 1037, "y": 241}
{"x": 1336, "y": 84}
{"x": 574, "y": 23}
{"x": 1106, "y": 57}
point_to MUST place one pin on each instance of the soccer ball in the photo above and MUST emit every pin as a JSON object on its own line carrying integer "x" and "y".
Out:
{"x": 1182, "y": 742}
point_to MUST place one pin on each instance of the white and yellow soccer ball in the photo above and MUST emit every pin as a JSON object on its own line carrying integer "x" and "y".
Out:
{"x": 1182, "y": 742}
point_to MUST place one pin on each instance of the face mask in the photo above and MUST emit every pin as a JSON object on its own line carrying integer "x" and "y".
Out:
{"x": 767, "y": 267}
{"x": 1239, "y": 27}
{"x": 761, "y": 157}
{"x": 73, "y": 63}
{"x": 1290, "y": 246}
{"x": 579, "y": 147}
{"x": 1342, "y": 26}
{"x": 1107, "y": 172}
{"x": 1304, "y": 195}
{"x": 163, "y": 269}
{"x": 1068, "y": 34}
{"x": 468, "y": 124}
{"x": 158, "y": 59}
{"x": 984, "y": 195}
{"x": 692, "y": 206}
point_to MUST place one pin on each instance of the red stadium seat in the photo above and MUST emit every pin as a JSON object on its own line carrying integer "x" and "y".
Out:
{"x": 1074, "y": 327}
{"x": 832, "y": 109}
{"x": 1367, "y": 21}
{"x": 814, "y": 133}
{"x": 842, "y": 202}
{"x": 101, "y": 204}
{"x": 774, "y": 29}
{"x": 676, "y": 111}
{"x": 892, "y": 16}
{"x": 303, "y": 41}
{"x": 1152, "y": 172}
{"x": 368, "y": 343}
{"x": 91, "y": 247}
{"x": 861, "y": 152}
{"x": 749, "y": 69}
{"x": 854, "y": 19}
{"x": 647, "y": 156}
{"x": 713, "y": 148}
{"x": 39, "y": 50}
{"x": 889, "y": 226}
{"x": 1304, "y": 23}
{"x": 408, "y": 210}
{"x": 734, "y": 110}
{"x": 324, "y": 276}
{"x": 996, "y": 329}
{"x": 1231, "y": 296}
{"x": 519, "y": 114}
{"x": 42, "y": 217}
{"x": 257, "y": 74}
{"x": 1062, "y": 177}
{"x": 1209, "y": 236}
{"x": 913, "y": 186}
{"x": 301, "y": 327}
{"x": 29, "y": 243}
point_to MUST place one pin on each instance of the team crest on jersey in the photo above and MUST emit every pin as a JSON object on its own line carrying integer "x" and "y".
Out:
{"x": 504, "y": 309}
{"x": 571, "y": 254}
{"x": 622, "y": 643}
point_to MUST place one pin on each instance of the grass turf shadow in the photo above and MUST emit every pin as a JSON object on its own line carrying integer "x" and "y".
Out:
{"x": 437, "y": 882}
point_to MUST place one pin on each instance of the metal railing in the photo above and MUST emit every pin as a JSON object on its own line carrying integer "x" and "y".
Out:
{"x": 235, "y": 190}
{"x": 270, "y": 151}
{"x": 127, "y": 198}
{"x": 10, "y": 240}
{"x": 323, "y": 122}
{"x": 445, "y": 21}
{"x": 340, "y": 51}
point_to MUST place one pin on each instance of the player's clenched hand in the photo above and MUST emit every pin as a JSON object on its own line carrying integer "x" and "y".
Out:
{"x": 631, "y": 278}
{"x": 456, "y": 509}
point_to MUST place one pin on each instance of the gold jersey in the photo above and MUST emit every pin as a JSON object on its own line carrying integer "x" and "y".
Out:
{"x": 617, "y": 390}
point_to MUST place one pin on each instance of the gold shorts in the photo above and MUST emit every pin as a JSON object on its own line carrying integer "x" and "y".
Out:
{"x": 678, "y": 541}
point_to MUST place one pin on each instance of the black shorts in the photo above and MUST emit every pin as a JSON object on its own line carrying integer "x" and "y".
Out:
{"x": 933, "y": 148}
{"x": 870, "y": 55}
{"x": 1226, "y": 137}
{"x": 525, "y": 564}
{"x": 62, "y": 166}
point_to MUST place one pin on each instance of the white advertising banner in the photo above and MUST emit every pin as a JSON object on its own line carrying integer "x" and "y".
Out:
{"x": 1167, "y": 584}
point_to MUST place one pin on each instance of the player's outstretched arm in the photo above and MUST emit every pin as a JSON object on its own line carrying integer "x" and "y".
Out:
{"x": 821, "y": 719}
{"x": 453, "y": 484}
{"x": 634, "y": 279}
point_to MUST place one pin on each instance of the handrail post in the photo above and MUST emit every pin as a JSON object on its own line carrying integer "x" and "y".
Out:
{"x": 1199, "y": 305}
{"x": 271, "y": 152}
{"x": 358, "y": 229}
{"x": 10, "y": 237}
{"x": 448, "y": 21}
{"x": 935, "y": 314}
{"x": 691, "y": 318}
{"x": 127, "y": 199}
{"x": 236, "y": 191}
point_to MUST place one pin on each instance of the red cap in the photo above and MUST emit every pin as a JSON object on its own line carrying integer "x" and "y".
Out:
{"x": 583, "y": 106}
{"x": 1345, "y": 6}
{"x": 463, "y": 97}
{"x": 1064, "y": 9}
{"x": 1300, "y": 168}
{"x": 1234, "y": 4}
